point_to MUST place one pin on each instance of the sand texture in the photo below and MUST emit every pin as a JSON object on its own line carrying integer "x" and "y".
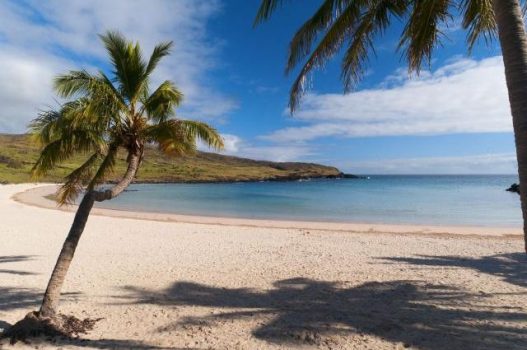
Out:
{"x": 161, "y": 282}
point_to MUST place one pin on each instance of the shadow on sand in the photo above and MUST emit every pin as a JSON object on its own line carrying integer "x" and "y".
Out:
{"x": 12, "y": 259}
{"x": 23, "y": 298}
{"x": 16, "y": 298}
{"x": 511, "y": 268}
{"x": 114, "y": 344}
{"x": 299, "y": 311}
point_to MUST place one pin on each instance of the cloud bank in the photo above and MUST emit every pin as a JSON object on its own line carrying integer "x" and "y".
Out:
{"x": 463, "y": 96}
{"x": 237, "y": 146}
{"x": 39, "y": 39}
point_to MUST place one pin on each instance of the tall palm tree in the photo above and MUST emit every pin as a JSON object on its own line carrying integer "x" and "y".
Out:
{"x": 108, "y": 114}
{"x": 353, "y": 25}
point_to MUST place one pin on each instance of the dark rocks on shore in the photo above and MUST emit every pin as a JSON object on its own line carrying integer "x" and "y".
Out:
{"x": 514, "y": 188}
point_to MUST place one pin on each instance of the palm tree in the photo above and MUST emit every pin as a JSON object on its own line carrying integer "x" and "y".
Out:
{"x": 108, "y": 114}
{"x": 354, "y": 24}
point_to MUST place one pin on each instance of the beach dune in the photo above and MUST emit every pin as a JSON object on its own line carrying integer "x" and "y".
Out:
{"x": 187, "y": 282}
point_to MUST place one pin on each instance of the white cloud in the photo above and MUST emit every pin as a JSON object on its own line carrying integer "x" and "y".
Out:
{"x": 48, "y": 37}
{"x": 463, "y": 96}
{"x": 280, "y": 153}
{"x": 498, "y": 163}
{"x": 236, "y": 146}
{"x": 231, "y": 143}
{"x": 23, "y": 82}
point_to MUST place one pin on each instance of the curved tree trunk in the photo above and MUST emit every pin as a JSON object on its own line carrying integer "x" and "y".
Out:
{"x": 52, "y": 294}
{"x": 513, "y": 40}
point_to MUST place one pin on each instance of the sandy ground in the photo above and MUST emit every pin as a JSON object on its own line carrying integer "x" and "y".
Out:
{"x": 172, "y": 282}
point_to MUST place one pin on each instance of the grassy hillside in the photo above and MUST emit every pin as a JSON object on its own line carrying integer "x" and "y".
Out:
{"x": 17, "y": 155}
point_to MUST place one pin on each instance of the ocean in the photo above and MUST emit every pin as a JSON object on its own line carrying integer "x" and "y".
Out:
{"x": 465, "y": 200}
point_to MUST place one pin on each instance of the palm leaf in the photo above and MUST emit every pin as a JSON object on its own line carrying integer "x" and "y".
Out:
{"x": 73, "y": 185}
{"x": 60, "y": 150}
{"x": 160, "y": 105}
{"x": 302, "y": 41}
{"x": 204, "y": 132}
{"x": 44, "y": 128}
{"x": 178, "y": 137}
{"x": 422, "y": 31}
{"x": 478, "y": 20}
{"x": 63, "y": 135}
{"x": 159, "y": 52}
{"x": 105, "y": 168}
{"x": 267, "y": 7}
{"x": 327, "y": 48}
{"x": 373, "y": 21}
{"x": 128, "y": 64}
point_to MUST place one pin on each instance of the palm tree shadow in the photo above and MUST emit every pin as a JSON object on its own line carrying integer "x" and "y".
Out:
{"x": 15, "y": 298}
{"x": 299, "y": 311}
{"x": 113, "y": 344}
{"x": 512, "y": 267}
{"x": 18, "y": 298}
{"x": 13, "y": 259}
{"x": 12, "y": 298}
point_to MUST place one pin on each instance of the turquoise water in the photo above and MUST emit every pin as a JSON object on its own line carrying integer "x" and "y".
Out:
{"x": 434, "y": 200}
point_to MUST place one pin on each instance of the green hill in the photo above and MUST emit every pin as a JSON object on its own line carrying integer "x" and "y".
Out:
{"x": 17, "y": 155}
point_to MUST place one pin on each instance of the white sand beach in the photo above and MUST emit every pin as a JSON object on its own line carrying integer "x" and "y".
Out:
{"x": 161, "y": 281}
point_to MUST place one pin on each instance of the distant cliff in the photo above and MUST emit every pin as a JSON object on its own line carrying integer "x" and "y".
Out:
{"x": 17, "y": 155}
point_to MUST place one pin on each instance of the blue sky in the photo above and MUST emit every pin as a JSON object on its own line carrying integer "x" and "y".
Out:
{"x": 453, "y": 118}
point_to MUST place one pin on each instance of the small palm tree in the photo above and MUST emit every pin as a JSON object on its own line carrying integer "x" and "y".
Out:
{"x": 354, "y": 24}
{"x": 108, "y": 114}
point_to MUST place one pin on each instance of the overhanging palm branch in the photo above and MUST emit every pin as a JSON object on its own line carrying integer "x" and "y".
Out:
{"x": 422, "y": 31}
{"x": 359, "y": 22}
{"x": 478, "y": 20}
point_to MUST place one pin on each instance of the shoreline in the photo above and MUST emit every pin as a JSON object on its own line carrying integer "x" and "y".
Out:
{"x": 36, "y": 196}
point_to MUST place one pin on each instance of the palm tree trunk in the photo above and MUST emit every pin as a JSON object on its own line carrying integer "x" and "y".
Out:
{"x": 52, "y": 295}
{"x": 513, "y": 40}
{"x": 53, "y": 290}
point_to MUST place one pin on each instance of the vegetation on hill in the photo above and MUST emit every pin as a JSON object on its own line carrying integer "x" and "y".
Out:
{"x": 18, "y": 154}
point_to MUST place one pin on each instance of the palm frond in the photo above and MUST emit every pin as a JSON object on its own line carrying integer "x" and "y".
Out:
{"x": 160, "y": 105}
{"x": 60, "y": 150}
{"x": 326, "y": 48}
{"x": 74, "y": 82}
{"x": 267, "y": 7}
{"x": 178, "y": 137}
{"x": 62, "y": 135}
{"x": 478, "y": 20}
{"x": 129, "y": 66}
{"x": 75, "y": 181}
{"x": 422, "y": 32}
{"x": 100, "y": 97}
{"x": 375, "y": 19}
{"x": 170, "y": 138}
{"x": 302, "y": 41}
{"x": 204, "y": 132}
{"x": 160, "y": 51}
{"x": 105, "y": 168}
{"x": 44, "y": 128}
{"x": 84, "y": 117}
